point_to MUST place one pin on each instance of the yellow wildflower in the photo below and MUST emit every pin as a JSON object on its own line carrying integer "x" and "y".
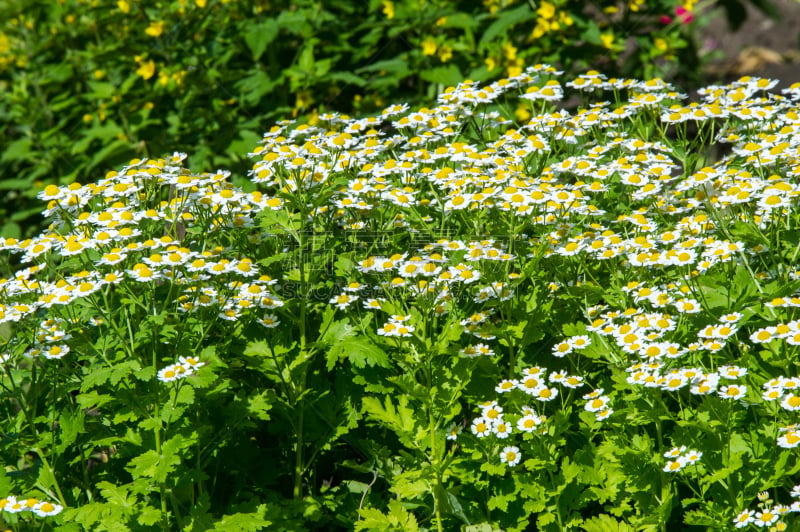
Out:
{"x": 428, "y": 46}
{"x": 124, "y": 6}
{"x": 608, "y": 40}
{"x": 445, "y": 54}
{"x": 541, "y": 28}
{"x": 522, "y": 114}
{"x": 147, "y": 69}
{"x": 634, "y": 5}
{"x": 509, "y": 51}
{"x": 546, "y": 10}
{"x": 514, "y": 68}
{"x": 388, "y": 9}
{"x": 155, "y": 29}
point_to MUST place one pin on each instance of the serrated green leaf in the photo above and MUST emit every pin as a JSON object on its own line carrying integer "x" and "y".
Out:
{"x": 148, "y": 515}
{"x": 500, "y": 501}
{"x": 605, "y": 523}
{"x": 112, "y": 375}
{"x": 400, "y": 419}
{"x": 545, "y": 518}
{"x": 158, "y": 466}
{"x": 117, "y": 495}
{"x": 244, "y": 522}
{"x": 258, "y": 406}
{"x": 70, "y": 425}
{"x": 396, "y": 519}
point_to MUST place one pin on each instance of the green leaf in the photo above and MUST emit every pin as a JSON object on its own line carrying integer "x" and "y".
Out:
{"x": 360, "y": 352}
{"x": 306, "y": 59}
{"x": 482, "y": 527}
{"x": 348, "y": 78}
{"x": 258, "y": 406}
{"x": 244, "y": 522}
{"x": 148, "y": 516}
{"x": 397, "y": 519}
{"x": 605, "y": 523}
{"x": 101, "y": 90}
{"x": 448, "y": 75}
{"x": 104, "y": 132}
{"x": 87, "y": 514}
{"x": 158, "y": 467}
{"x": 19, "y": 149}
{"x": 460, "y": 20}
{"x": 118, "y": 495}
{"x": 247, "y": 139}
{"x": 259, "y": 36}
{"x": 545, "y": 518}
{"x": 500, "y": 501}
{"x": 400, "y": 419}
{"x": 451, "y": 505}
{"x": 388, "y": 73}
{"x": 175, "y": 406}
{"x": 70, "y": 425}
{"x": 112, "y": 375}
{"x": 109, "y": 151}
{"x": 505, "y": 21}
{"x": 15, "y": 184}
{"x": 256, "y": 85}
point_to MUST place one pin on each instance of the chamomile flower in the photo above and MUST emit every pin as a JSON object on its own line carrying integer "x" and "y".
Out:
{"x": 734, "y": 391}
{"x": 344, "y": 300}
{"x": 269, "y": 321}
{"x": 481, "y": 427}
{"x": 454, "y": 431}
{"x": 501, "y": 429}
{"x": 673, "y": 466}
{"x": 789, "y": 439}
{"x": 510, "y": 455}
{"x": 44, "y": 509}
{"x": 506, "y": 386}
{"x": 171, "y": 373}
{"x": 529, "y": 422}
{"x": 744, "y": 518}
{"x": 765, "y": 518}
{"x": 492, "y": 411}
{"x": 597, "y": 404}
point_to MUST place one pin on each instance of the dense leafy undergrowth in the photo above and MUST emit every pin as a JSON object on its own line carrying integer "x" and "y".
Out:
{"x": 429, "y": 319}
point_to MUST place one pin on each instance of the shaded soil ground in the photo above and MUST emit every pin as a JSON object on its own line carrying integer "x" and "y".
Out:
{"x": 762, "y": 46}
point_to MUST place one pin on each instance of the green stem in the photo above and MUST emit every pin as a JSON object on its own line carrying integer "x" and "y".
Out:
{"x": 297, "y": 492}
{"x": 157, "y": 425}
{"x": 435, "y": 460}
{"x": 57, "y": 487}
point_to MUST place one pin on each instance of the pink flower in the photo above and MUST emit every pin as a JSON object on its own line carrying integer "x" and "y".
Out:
{"x": 684, "y": 14}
